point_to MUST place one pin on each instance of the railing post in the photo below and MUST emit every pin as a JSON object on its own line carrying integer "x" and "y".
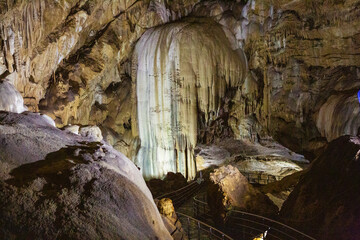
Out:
{"x": 199, "y": 230}
{"x": 243, "y": 230}
{"x": 198, "y": 209}
{"x": 188, "y": 230}
{"x": 204, "y": 209}
{"x": 194, "y": 208}
{"x": 176, "y": 197}
{"x": 210, "y": 234}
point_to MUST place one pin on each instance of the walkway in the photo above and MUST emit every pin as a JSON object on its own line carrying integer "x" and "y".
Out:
{"x": 243, "y": 225}
{"x": 196, "y": 219}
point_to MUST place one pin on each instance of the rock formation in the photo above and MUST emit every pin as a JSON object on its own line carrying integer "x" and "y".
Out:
{"x": 170, "y": 183}
{"x": 10, "y": 99}
{"x": 325, "y": 203}
{"x": 159, "y": 77}
{"x": 229, "y": 189}
{"x": 279, "y": 191}
{"x": 58, "y": 185}
{"x": 304, "y": 55}
{"x": 182, "y": 73}
{"x": 72, "y": 60}
{"x": 171, "y": 220}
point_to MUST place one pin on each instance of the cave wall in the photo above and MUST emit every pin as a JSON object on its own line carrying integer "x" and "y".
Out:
{"x": 306, "y": 55}
{"x": 72, "y": 60}
{"x": 303, "y": 60}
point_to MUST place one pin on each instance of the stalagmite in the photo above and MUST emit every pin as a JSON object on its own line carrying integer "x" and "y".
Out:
{"x": 181, "y": 70}
{"x": 10, "y": 99}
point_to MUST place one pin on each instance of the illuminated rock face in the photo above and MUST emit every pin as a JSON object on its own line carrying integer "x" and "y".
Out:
{"x": 10, "y": 99}
{"x": 338, "y": 116}
{"x": 181, "y": 70}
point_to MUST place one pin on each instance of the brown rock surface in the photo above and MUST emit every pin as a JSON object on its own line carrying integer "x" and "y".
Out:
{"x": 303, "y": 69}
{"x": 229, "y": 189}
{"x": 171, "y": 221}
{"x": 170, "y": 183}
{"x": 325, "y": 203}
{"x": 305, "y": 57}
{"x": 58, "y": 185}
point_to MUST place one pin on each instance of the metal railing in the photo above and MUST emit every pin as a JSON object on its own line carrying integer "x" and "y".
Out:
{"x": 179, "y": 196}
{"x": 260, "y": 177}
{"x": 196, "y": 229}
{"x": 243, "y": 225}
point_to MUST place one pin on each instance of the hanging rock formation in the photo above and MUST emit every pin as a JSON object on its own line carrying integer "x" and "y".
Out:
{"x": 182, "y": 72}
{"x": 304, "y": 56}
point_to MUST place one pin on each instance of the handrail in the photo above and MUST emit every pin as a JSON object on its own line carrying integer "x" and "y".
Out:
{"x": 177, "y": 190}
{"x": 212, "y": 232}
{"x": 273, "y": 221}
{"x": 261, "y": 178}
{"x": 249, "y": 217}
{"x": 180, "y": 195}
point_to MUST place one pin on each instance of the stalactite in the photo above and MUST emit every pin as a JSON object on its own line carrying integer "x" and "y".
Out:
{"x": 181, "y": 69}
{"x": 20, "y": 33}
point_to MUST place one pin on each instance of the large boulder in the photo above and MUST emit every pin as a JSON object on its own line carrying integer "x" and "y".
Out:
{"x": 58, "y": 185}
{"x": 171, "y": 220}
{"x": 171, "y": 182}
{"x": 28, "y": 137}
{"x": 229, "y": 189}
{"x": 325, "y": 203}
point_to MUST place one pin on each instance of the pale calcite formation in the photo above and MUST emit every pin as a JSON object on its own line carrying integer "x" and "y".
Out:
{"x": 338, "y": 116}
{"x": 181, "y": 70}
{"x": 92, "y": 132}
{"x": 10, "y": 99}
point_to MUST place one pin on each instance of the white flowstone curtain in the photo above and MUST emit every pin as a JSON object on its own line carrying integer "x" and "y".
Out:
{"x": 179, "y": 70}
